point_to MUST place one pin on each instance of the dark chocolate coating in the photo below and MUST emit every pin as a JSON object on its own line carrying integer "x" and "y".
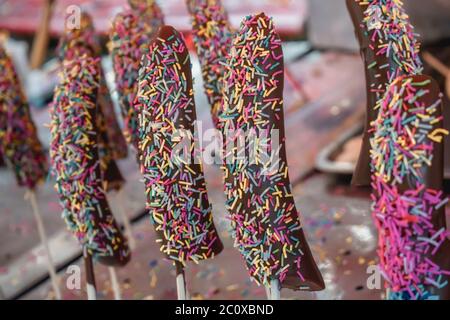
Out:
{"x": 212, "y": 36}
{"x": 308, "y": 267}
{"x": 111, "y": 175}
{"x": 79, "y": 182}
{"x": 177, "y": 198}
{"x": 111, "y": 143}
{"x": 382, "y": 63}
{"x": 361, "y": 175}
{"x": 434, "y": 180}
{"x": 117, "y": 144}
{"x": 265, "y": 204}
{"x": 20, "y": 146}
{"x": 410, "y": 117}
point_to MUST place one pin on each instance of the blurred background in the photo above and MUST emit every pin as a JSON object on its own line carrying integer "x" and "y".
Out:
{"x": 324, "y": 98}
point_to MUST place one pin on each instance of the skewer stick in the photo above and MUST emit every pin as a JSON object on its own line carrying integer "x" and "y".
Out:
{"x": 115, "y": 283}
{"x": 31, "y": 195}
{"x": 436, "y": 64}
{"x": 274, "y": 289}
{"x": 268, "y": 294}
{"x": 298, "y": 87}
{"x": 90, "y": 276}
{"x": 125, "y": 220}
{"x": 439, "y": 67}
{"x": 388, "y": 293}
{"x": 41, "y": 39}
{"x": 181, "y": 282}
{"x": 188, "y": 295}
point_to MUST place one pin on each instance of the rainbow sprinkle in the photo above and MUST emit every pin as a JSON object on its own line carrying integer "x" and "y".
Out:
{"x": 149, "y": 13}
{"x": 212, "y": 38}
{"x": 405, "y": 133}
{"x": 19, "y": 142}
{"x": 175, "y": 186}
{"x": 75, "y": 161}
{"x": 390, "y": 49}
{"x": 265, "y": 222}
{"x": 130, "y": 36}
{"x": 392, "y": 37}
{"x": 111, "y": 143}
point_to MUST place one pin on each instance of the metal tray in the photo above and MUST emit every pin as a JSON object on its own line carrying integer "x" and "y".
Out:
{"x": 325, "y": 161}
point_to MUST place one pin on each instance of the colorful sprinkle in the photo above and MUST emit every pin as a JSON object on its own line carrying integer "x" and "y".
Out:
{"x": 266, "y": 225}
{"x": 212, "y": 38}
{"x": 405, "y": 202}
{"x": 19, "y": 142}
{"x": 177, "y": 199}
{"x": 131, "y": 33}
{"x": 111, "y": 143}
{"x": 75, "y": 161}
{"x": 390, "y": 49}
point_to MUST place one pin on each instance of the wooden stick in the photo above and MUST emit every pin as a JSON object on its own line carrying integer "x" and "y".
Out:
{"x": 90, "y": 276}
{"x": 441, "y": 68}
{"x": 268, "y": 294}
{"x": 115, "y": 283}
{"x": 40, "y": 43}
{"x": 188, "y": 295}
{"x": 436, "y": 64}
{"x": 125, "y": 220}
{"x": 274, "y": 289}
{"x": 297, "y": 86}
{"x": 43, "y": 235}
{"x": 181, "y": 281}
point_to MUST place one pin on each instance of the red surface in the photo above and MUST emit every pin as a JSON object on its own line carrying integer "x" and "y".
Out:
{"x": 23, "y": 16}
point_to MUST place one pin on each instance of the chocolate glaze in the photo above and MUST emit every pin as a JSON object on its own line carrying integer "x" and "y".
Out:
{"x": 212, "y": 35}
{"x": 111, "y": 176}
{"x": 361, "y": 176}
{"x": 19, "y": 142}
{"x": 433, "y": 177}
{"x": 111, "y": 142}
{"x": 131, "y": 32}
{"x": 117, "y": 144}
{"x": 376, "y": 81}
{"x": 443, "y": 54}
{"x": 176, "y": 191}
{"x": 434, "y": 180}
{"x": 261, "y": 199}
{"x": 86, "y": 210}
